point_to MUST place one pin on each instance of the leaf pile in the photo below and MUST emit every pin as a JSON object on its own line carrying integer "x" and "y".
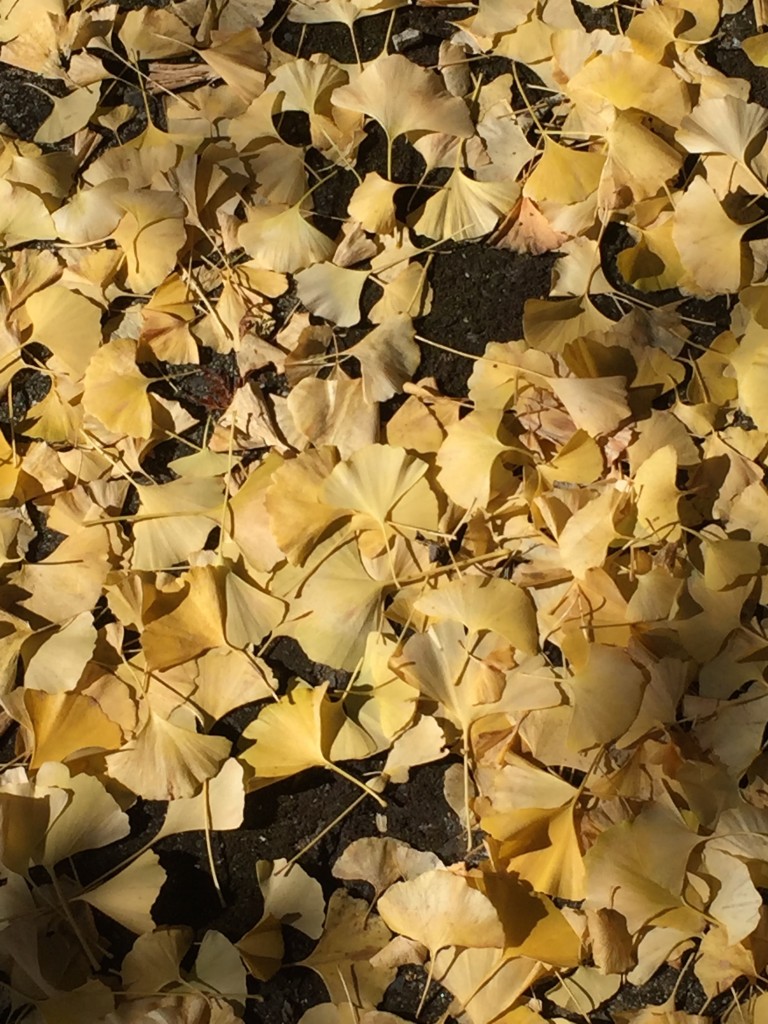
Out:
{"x": 559, "y": 577}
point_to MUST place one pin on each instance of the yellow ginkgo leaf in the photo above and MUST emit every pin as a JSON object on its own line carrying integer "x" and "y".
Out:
{"x": 708, "y": 241}
{"x": 439, "y": 909}
{"x": 631, "y": 872}
{"x": 345, "y": 11}
{"x": 66, "y": 725}
{"x": 70, "y": 113}
{"x": 91, "y": 818}
{"x": 240, "y": 59}
{"x": 217, "y": 807}
{"x": 150, "y": 234}
{"x": 332, "y": 292}
{"x": 91, "y": 214}
{"x": 383, "y": 487}
{"x": 379, "y": 89}
{"x": 24, "y": 215}
{"x": 388, "y": 357}
{"x": 485, "y": 603}
{"x": 166, "y": 761}
{"x": 465, "y": 208}
{"x": 294, "y": 734}
{"x": 128, "y": 896}
{"x": 174, "y": 520}
{"x": 373, "y": 204}
{"x": 154, "y": 959}
{"x": 281, "y": 238}
{"x": 116, "y": 390}
{"x": 68, "y": 324}
{"x": 297, "y": 733}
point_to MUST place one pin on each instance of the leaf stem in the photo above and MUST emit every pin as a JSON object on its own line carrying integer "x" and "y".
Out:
{"x": 357, "y": 782}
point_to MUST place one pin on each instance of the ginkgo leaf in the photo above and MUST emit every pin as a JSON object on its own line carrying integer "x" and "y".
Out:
{"x": 626, "y": 80}
{"x": 292, "y": 896}
{"x": 116, "y": 390}
{"x": 281, "y": 238}
{"x": 174, "y": 520}
{"x": 154, "y": 33}
{"x": 482, "y": 603}
{"x": 606, "y": 691}
{"x": 166, "y": 761}
{"x": 65, "y": 725}
{"x": 383, "y": 861}
{"x": 345, "y": 11}
{"x": 91, "y": 214}
{"x": 737, "y": 902}
{"x": 373, "y": 204}
{"x": 388, "y": 357}
{"x": 150, "y": 234}
{"x": 486, "y": 981}
{"x": 91, "y": 818}
{"x": 439, "y": 909}
{"x": 294, "y": 734}
{"x": 218, "y": 806}
{"x": 382, "y": 487}
{"x": 155, "y": 958}
{"x": 708, "y": 241}
{"x": 351, "y": 938}
{"x": 722, "y": 124}
{"x": 590, "y": 531}
{"x": 240, "y": 59}
{"x": 597, "y": 405}
{"x": 756, "y": 48}
{"x": 262, "y": 948}
{"x": 25, "y": 215}
{"x": 128, "y": 896}
{"x": 68, "y": 324}
{"x": 377, "y": 92}
{"x": 471, "y": 457}
{"x": 465, "y": 208}
{"x": 628, "y": 870}
{"x": 59, "y": 661}
{"x": 332, "y": 292}
{"x": 70, "y": 113}
{"x": 219, "y": 968}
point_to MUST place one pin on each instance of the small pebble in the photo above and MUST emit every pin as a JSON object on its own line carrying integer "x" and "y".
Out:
{"x": 407, "y": 39}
